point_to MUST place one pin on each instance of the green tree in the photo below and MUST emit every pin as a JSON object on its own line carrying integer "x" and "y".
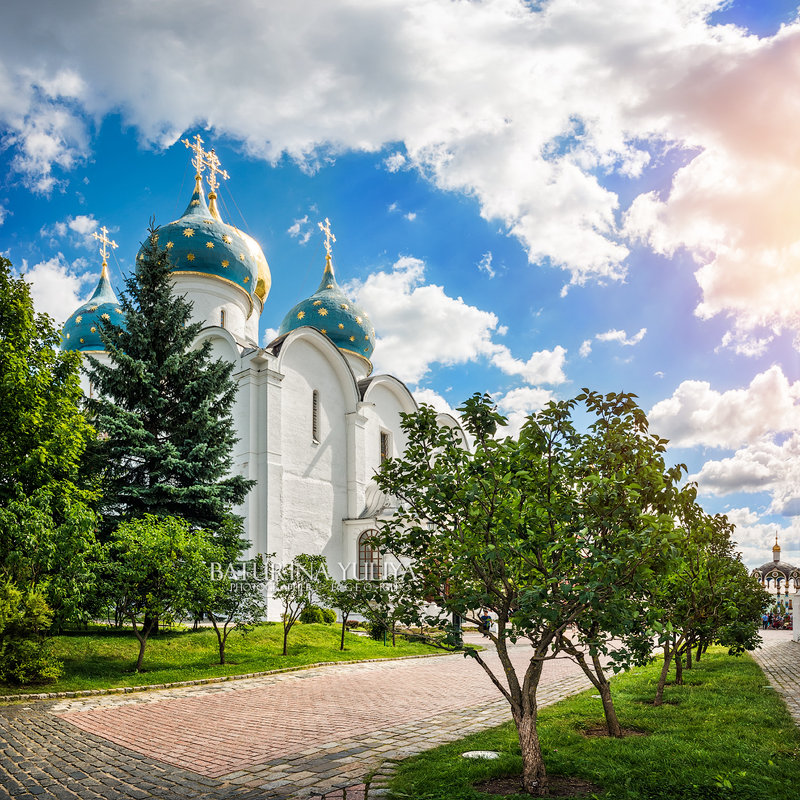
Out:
{"x": 297, "y": 585}
{"x": 232, "y": 596}
{"x": 350, "y": 596}
{"x": 163, "y": 407}
{"x": 158, "y": 566}
{"x": 47, "y": 544}
{"x": 527, "y": 529}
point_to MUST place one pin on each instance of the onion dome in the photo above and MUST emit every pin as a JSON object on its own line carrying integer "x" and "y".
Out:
{"x": 82, "y": 330}
{"x": 777, "y": 568}
{"x": 331, "y": 312}
{"x": 200, "y": 243}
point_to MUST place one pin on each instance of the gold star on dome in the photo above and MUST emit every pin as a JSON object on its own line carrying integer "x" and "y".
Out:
{"x": 358, "y": 320}
{"x": 225, "y": 263}
{"x": 352, "y": 338}
{"x": 301, "y": 314}
{"x": 344, "y": 306}
{"x": 190, "y": 256}
{"x": 68, "y": 335}
{"x": 318, "y": 302}
{"x": 322, "y": 330}
{"x": 227, "y": 239}
{"x": 170, "y": 245}
{"x": 81, "y": 341}
{"x": 93, "y": 308}
{"x": 241, "y": 256}
{"x": 105, "y": 316}
{"x": 210, "y": 245}
{"x": 341, "y": 326}
{"x": 323, "y": 312}
{"x": 208, "y": 221}
{"x": 366, "y": 337}
{"x": 188, "y": 232}
{"x": 329, "y": 286}
{"x": 195, "y": 202}
{"x": 79, "y": 319}
{"x": 246, "y": 278}
{"x": 118, "y": 310}
{"x": 93, "y": 329}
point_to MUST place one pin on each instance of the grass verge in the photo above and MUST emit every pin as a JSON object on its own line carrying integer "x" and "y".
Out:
{"x": 101, "y": 660}
{"x": 723, "y": 736}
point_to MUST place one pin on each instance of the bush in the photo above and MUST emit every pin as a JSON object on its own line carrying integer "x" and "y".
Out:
{"x": 353, "y": 623}
{"x": 24, "y": 651}
{"x": 378, "y": 629}
{"x": 311, "y": 614}
{"x": 329, "y": 615}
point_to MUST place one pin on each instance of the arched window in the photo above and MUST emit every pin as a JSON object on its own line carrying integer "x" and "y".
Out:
{"x": 315, "y": 416}
{"x": 222, "y": 318}
{"x": 369, "y": 558}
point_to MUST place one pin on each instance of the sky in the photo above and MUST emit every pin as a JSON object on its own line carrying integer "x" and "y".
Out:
{"x": 528, "y": 197}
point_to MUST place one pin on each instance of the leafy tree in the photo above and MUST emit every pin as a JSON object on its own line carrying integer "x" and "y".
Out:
{"x": 163, "y": 407}
{"x": 527, "y": 528}
{"x": 159, "y": 565}
{"x": 46, "y": 528}
{"x": 350, "y": 596}
{"x": 43, "y": 433}
{"x": 297, "y": 585}
{"x": 233, "y": 600}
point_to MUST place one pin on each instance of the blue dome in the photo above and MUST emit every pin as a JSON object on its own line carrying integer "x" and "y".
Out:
{"x": 201, "y": 243}
{"x": 331, "y": 312}
{"x": 82, "y": 330}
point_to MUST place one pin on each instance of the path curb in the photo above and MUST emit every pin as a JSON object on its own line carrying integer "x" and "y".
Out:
{"x": 11, "y": 698}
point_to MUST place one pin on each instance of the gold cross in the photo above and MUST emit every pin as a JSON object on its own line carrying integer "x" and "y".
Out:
{"x": 212, "y": 162}
{"x": 329, "y": 237}
{"x": 199, "y": 157}
{"x": 106, "y": 241}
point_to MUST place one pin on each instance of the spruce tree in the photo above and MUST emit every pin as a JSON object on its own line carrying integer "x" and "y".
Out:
{"x": 163, "y": 409}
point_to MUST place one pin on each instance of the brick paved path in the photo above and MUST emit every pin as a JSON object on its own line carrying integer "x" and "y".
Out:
{"x": 273, "y": 737}
{"x": 779, "y": 659}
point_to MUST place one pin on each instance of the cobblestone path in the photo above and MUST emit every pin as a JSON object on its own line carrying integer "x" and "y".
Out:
{"x": 779, "y": 659}
{"x": 278, "y": 736}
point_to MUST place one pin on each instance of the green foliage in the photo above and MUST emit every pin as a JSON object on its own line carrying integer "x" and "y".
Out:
{"x": 43, "y": 434}
{"x": 328, "y": 616}
{"x": 163, "y": 407}
{"x": 540, "y": 530}
{"x": 159, "y": 566}
{"x": 312, "y": 614}
{"x": 297, "y": 585}
{"x": 350, "y": 596}
{"x": 25, "y": 656}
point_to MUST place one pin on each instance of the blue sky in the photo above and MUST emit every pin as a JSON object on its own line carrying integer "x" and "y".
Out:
{"x": 528, "y": 198}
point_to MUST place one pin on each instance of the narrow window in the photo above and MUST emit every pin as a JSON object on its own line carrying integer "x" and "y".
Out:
{"x": 315, "y": 416}
{"x": 369, "y": 558}
{"x": 222, "y": 318}
{"x": 386, "y": 446}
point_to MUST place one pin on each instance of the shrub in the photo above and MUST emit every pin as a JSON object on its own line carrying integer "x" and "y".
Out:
{"x": 378, "y": 629}
{"x": 353, "y": 623}
{"x": 329, "y": 615}
{"x": 311, "y": 614}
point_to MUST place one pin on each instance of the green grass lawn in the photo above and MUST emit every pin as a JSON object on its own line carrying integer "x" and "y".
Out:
{"x": 100, "y": 660}
{"x": 722, "y": 736}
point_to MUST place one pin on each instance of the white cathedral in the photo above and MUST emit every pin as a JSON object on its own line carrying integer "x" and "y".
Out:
{"x": 313, "y": 423}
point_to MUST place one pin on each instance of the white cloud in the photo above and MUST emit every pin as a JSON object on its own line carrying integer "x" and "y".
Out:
{"x": 696, "y": 414}
{"x": 519, "y": 403}
{"x": 485, "y": 265}
{"x": 3, "y": 214}
{"x": 622, "y": 338}
{"x": 525, "y": 107}
{"x": 269, "y": 335}
{"x": 58, "y": 288}
{"x": 301, "y": 229}
{"x": 77, "y": 229}
{"x": 410, "y": 216}
{"x": 755, "y": 538}
{"x": 419, "y": 325}
{"x": 585, "y": 349}
{"x": 432, "y": 398}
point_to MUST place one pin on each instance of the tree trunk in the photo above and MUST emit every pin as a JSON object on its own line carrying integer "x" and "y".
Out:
{"x": 221, "y": 649}
{"x": 689, "y": 646}
{"x": 612, "y": 722}
{"x": 344, "y": 628}
{"x": 662, "y": 679}
{"x": 285, "y": 638}
{"x": 678, "y": 668}
{"x": 394, "y": 644}
{"x": 534, "y": 776}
